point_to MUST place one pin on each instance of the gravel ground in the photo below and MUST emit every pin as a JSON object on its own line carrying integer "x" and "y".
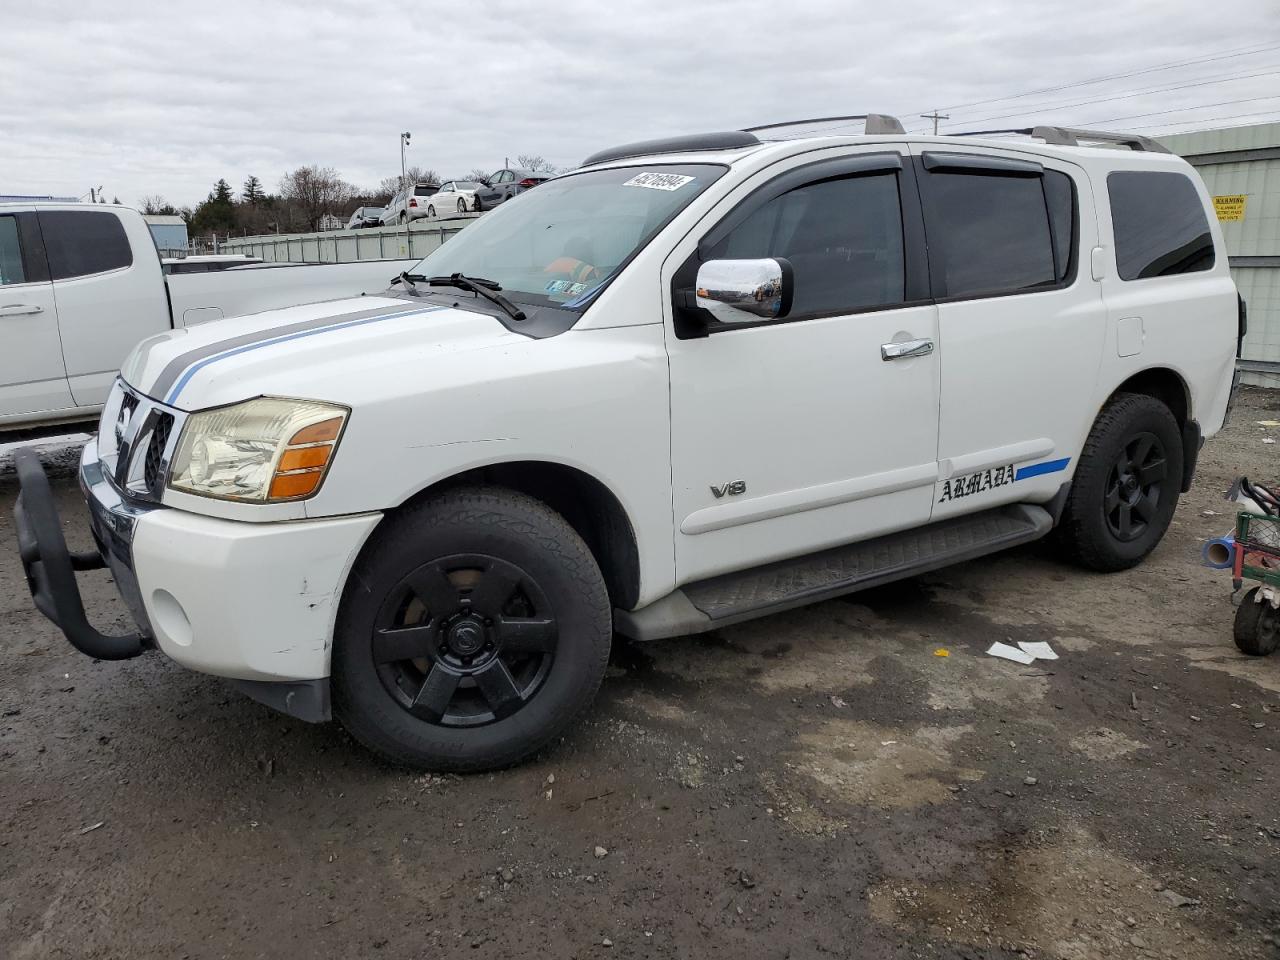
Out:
{"x": 818, "y": 783}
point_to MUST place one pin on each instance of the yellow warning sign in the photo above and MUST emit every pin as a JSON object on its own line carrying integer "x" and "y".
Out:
{"x": 1230, "y": 207}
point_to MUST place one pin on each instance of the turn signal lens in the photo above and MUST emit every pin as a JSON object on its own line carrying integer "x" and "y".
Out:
{"x": 304, "y": 458}
{"x": 287, "y": 486}
{"x": 321, "y": 432}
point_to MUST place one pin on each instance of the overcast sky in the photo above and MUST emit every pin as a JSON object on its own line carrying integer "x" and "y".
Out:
{"x": 164, "y": 98}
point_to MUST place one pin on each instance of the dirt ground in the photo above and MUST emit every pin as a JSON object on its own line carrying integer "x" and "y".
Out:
{"x": 819, "y": 783}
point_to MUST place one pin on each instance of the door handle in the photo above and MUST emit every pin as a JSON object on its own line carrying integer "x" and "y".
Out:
{"x": 906, "y": 349}
{"x": 20, "y": 309}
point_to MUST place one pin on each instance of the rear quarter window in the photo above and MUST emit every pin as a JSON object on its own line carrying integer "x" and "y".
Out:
{"x": 81, "y": 242}
{"x": 1159, "y": 225}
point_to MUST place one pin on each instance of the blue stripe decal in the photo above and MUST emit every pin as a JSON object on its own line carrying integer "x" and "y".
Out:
{"x": 1037, "y": 469}
{"x": 197, "y": 367}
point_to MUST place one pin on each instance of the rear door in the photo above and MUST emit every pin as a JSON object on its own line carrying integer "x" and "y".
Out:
{"x": 1020, "y": 319}
{"x": 107, "y": 298}
{"x": 33, "y": 377}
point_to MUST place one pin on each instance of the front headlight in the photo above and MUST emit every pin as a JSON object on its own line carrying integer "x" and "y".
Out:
{"x": 263, "y": 450}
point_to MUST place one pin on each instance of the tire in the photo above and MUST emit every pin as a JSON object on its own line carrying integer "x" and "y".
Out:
{"x": 1257, "y": 626}
{"x": 431, "y": 212}
{"x": 1126, "y": 485}
{"x": 404, "y": 218}
{"x": 504, "y": 628}
{"x": 462, "y": 205}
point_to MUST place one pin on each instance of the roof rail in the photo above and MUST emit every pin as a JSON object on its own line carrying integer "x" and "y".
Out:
{"x": 694, "y": 142}
{"x": 877, "y": 123}
{"x": 1071, "y": 137}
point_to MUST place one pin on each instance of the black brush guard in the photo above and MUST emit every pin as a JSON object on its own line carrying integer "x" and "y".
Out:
{"x": 51, "y": 567}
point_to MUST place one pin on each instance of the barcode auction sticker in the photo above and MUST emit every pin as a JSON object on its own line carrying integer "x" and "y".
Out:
{"x": 658, "y": 181}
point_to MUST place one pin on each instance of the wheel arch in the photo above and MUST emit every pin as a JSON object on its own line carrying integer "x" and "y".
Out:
{"x": 1163, "y": 384}
{"x": 586, "y": 503}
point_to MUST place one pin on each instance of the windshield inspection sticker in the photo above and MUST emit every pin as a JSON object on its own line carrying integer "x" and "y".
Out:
{"x": 658, "y": 181}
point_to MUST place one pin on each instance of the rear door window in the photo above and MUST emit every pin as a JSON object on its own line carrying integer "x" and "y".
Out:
{"x": 1159, "y": 225}
{"x": 11, "y": 268}
{"x": 83, "y": 242}
{"x": 992, "y": 233}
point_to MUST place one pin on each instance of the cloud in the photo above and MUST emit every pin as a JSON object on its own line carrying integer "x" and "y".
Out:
{"x": 151, "y": 98}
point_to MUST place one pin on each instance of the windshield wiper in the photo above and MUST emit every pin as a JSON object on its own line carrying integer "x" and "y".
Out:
{"x": 477, "y": 285}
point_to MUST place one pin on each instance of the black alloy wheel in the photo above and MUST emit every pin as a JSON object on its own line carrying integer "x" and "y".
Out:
{"x": 1134, "y": 487}
{"x": 474, "y": 627}
{"x": 465, "y": 640}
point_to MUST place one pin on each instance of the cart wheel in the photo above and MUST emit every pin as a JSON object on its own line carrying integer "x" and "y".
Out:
{"x": 1257, "y": 628}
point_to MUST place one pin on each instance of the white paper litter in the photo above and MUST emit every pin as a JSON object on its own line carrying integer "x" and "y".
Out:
{"x": 1007, "y": 652}
{"x": 1038, "y": 649}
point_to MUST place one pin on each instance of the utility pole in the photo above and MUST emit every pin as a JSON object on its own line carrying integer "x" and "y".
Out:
{"x": 404, "y": 185}
{"x": 935, "y": 117}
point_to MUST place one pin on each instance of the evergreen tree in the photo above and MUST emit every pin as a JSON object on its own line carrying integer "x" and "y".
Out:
{"x": 253, "y": 193}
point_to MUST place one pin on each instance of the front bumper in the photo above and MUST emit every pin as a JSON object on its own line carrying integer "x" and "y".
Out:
{"x": 252, "y": 602}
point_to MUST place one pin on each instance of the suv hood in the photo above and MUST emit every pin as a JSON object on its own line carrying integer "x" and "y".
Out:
{"x": 322, "y": 351}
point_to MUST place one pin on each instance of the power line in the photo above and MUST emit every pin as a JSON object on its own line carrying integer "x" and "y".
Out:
{"x": 1186, "y": 109}
{"x": 1209, "y": 121}
{"x": 1122, "y": 96}
{"x": 1245, "y": 51}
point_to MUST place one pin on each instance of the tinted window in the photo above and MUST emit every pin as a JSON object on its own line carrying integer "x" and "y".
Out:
{"x": 989, "y": 233}
{"x": 82, "y": 242}
{"x": 843, "y": 238}
{"x": 11, "y": 270}
{"x": 1159, "y": 225}
{"x": 1060, "y": 198}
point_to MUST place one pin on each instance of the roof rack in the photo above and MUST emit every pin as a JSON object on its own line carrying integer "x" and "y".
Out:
{"x": 1071, "y": 137}
{"x": 728, "y": 140}
{"x": 877, "y": 123}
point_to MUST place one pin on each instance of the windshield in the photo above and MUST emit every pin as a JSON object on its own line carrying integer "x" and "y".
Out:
{"x": 560, "y": 244}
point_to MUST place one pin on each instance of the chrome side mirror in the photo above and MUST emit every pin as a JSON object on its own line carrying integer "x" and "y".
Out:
{"x": 745, "y": 291}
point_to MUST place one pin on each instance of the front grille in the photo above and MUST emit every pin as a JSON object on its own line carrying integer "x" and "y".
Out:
{"x": 152, "y": 469}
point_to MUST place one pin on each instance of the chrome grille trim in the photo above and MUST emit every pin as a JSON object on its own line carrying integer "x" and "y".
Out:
{"x": 137, "y": 437}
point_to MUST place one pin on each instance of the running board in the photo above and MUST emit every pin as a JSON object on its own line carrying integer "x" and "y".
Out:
{"x": 779, "y": 586}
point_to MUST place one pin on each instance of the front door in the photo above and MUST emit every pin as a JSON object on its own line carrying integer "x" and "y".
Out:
{"x": 1021, "y": 322}
{"x": 33, "y": 377}
{"x": 797, "y": 434}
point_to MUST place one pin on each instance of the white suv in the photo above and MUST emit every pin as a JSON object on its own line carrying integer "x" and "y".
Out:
{"x": 696, "y": 381}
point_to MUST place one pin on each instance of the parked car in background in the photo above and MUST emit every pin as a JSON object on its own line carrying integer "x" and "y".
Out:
{"x": 505, "y": 184}
{"x": 366, "y": 217}
{"x": 409, "y": 204}
{"x": 455, "y": 196}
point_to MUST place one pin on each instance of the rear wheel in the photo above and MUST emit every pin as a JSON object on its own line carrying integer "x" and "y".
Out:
{"x": 431, "y": 212}
{"x": 404, "y": 218}
{"x": 1257, "y": 626}
{"x": 1126, "y": 485}
{"x": 476, "y": 627}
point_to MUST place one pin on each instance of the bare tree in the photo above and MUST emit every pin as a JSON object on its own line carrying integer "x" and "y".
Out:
{"x": 311, "y": 192}
{"x": 534, "y": 162}
{"x": 158, "y": 206}
{"x": 477, "y": 174}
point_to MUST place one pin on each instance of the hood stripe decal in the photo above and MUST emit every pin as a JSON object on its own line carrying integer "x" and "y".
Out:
{"x": 173, "y": 378}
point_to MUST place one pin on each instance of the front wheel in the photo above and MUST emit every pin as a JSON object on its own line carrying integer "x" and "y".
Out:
{"x": 474, "y": 629}
{"x": 1126, "y": 485}
{"x": 462, "y": 206}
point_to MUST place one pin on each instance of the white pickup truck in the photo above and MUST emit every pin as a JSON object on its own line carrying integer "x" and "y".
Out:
{"x": 80, "y": 285}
